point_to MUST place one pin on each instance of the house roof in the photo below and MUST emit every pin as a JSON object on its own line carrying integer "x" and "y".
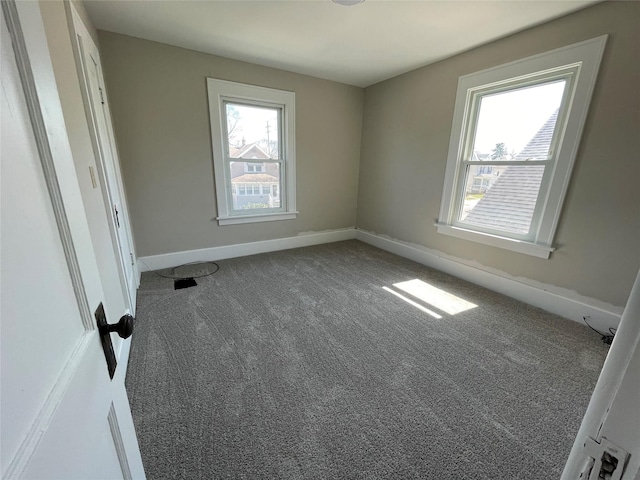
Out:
{"x": 509, "y": 204}
{"x": 538, "y": 146}
{"x": 248, "y": 152}
{"x": 255, "y": 178}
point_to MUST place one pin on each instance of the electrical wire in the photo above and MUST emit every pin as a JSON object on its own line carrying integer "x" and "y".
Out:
{"x": 172, "y": 272}
{"x": 606, "y": 338}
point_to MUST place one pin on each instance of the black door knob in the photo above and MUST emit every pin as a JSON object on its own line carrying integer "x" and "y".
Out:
{"x": 124, "y": 327}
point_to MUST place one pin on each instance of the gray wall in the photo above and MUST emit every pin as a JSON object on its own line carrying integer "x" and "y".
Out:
{"x": 406, "y": 130}
{"x": 158, "y": 99}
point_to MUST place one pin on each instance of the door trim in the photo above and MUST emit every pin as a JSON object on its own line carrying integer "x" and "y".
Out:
{"x": 77, "y": 27}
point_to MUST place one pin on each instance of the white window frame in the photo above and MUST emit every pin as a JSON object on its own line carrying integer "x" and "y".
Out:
{"x": 222, "y": 91}
{"x": 579, "y": 63}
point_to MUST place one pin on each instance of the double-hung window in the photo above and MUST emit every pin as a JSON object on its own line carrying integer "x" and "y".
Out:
{"x": 515, "y": 135}
{"x": 253, "y": 138}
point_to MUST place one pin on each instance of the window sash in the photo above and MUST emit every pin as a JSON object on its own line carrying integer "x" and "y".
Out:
{"x": 539, "y": 206}
{"x": 469, "y": 132}
{"x": 567, "y": 74}
{"x": 474, "y": 99}
{"x": 280, "y": 108}
{"x": 281, "y": 160}
{"x": 252, "y": 189}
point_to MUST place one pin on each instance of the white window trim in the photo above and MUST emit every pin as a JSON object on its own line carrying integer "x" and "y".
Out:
{"x": 584, "y": 55}
{"x": 220, "y": 91}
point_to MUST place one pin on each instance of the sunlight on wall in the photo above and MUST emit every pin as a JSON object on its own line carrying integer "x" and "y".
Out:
{"x": 440, "y": 299}
{"x": 411, "y": 302}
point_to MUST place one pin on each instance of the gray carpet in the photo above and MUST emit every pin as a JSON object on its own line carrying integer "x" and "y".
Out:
{"x": 298, "y": 364}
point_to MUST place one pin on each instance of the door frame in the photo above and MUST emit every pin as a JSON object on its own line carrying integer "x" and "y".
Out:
{"x": 108, "y": 184}
{"x": 31, "y": 49}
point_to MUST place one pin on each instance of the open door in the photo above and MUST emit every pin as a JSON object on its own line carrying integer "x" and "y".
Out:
{"x": 62, "y": 415}
{"x": 100, "y": 128}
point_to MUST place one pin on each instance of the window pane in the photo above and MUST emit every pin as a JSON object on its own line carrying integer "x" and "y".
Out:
{"x": 253, "y": 132}
{"x": 517, "y": 124}
{"x": 501, "y": 197}
{"x": 257, "y": 190}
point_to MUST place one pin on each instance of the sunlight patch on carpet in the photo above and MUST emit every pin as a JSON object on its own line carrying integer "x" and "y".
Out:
{"x": 434, "y": 296}
{"x": 411, "y": 302}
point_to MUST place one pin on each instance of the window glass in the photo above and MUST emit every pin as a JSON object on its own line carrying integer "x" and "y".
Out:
{"x": 508, "y": 121}
{"x": 252, "y": 131}
{"x": 506, "y": 202}
{"x": 260, "y": 186}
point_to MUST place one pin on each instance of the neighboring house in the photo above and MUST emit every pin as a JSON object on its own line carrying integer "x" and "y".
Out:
{"x": 509, "y": 203}
{"x": 480, "y": 157}
{"x": 485, "y": 175}
{"x": 254, "y": 184}
{"x": 482, "y": 182}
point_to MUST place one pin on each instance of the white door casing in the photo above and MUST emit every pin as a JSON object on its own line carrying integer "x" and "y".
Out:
{"x": 94, "y": 95}
{"x": 62, "y": 417}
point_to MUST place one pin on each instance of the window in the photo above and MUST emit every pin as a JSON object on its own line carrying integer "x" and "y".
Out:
{"x": 253, "y": 137}
{"x": 515, "y": 134}
{"x": 254, "y": 167}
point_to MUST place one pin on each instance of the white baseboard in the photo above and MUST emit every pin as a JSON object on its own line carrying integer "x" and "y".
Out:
{"x": 168, "y": 260}
{"x": 563, "y": 302}
{"x": 553, "y": 299}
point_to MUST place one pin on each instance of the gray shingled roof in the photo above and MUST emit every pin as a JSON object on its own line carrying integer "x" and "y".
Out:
{"x": 248, "y": 152}
{"x": 538, "y": 146}
{"x": 509, "y": 204}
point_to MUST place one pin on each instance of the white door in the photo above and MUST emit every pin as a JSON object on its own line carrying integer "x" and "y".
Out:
{"x": 62, "y": 416}
{"x": 99, "y": 119}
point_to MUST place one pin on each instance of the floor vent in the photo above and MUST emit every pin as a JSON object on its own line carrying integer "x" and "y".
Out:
{"x": 184, "y": 283}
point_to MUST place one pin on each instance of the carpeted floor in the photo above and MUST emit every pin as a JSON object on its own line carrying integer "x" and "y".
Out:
{"x": 300, "y": 364}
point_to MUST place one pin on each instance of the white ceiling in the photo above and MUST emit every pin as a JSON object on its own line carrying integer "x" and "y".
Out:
{"x": 358, "y": 45}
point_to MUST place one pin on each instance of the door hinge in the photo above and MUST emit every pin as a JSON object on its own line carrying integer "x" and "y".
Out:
{"x": 101, "y": 95}
{"x": 608, "y": 459}
{"x": 131, "y": 255}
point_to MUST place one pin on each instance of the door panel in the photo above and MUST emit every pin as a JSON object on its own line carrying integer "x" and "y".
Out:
{"x": 82, "y": 420}
{"x": 33, "y": 264}
{"x": 62, "y": 417}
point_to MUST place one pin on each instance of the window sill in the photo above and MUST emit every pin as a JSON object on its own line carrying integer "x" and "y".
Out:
{"x": 520, "y": 246}
{"x": 266, "y": 217}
